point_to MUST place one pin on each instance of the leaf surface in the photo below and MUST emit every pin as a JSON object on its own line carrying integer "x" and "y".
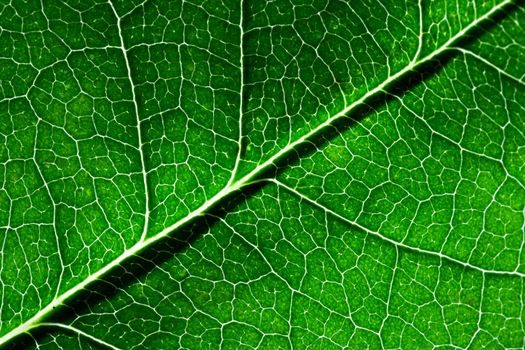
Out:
{"x": 330, "y": 174}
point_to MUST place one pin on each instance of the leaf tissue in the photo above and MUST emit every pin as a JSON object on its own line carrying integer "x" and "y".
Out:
{"x": 242, "y": 174}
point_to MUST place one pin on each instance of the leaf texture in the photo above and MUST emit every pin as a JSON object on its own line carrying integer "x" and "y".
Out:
{"x": 262, "y": 174}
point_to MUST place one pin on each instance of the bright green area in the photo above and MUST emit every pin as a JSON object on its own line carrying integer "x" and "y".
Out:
{"x": 401, "y": 226}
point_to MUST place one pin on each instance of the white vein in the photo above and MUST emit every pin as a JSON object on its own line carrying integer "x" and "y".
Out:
{"x": 139, "y": 133}
{"x": 389, "y": 240}
{"x": 80, "y": 333}
{"x": 241, "y": 95}
{"x": 488, "y": 63}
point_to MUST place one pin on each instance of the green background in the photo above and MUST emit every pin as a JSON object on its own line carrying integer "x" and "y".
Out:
{"x": 401, "y": 225}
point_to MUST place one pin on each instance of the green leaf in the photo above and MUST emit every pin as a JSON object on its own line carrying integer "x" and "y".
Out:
{"x": 262, "y": 174}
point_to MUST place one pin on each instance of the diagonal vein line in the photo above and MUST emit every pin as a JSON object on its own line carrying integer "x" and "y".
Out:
{"x": 488, "y": 63}
{"x": 389, "y": 240}
{"x": 80, "y": 333}
{"x": 248, "y": 179}
{"x": 411, "y": 67}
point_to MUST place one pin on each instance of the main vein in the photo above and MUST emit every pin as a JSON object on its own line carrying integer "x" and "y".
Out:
{"x": 234, "y": 186}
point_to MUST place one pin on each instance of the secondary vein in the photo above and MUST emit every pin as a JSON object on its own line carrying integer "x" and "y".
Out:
{"x": 139, "y": 133}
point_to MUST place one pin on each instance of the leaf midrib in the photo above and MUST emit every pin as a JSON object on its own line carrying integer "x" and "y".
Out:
{"x": 248, "y": 179}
